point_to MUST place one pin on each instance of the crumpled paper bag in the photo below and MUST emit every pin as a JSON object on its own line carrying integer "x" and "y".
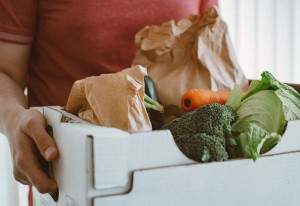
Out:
{"x": 194, "y": 53}
{"x": 112, "y": 100}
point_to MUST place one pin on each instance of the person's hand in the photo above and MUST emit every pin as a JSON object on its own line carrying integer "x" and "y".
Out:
{"x": 32, "y": 148}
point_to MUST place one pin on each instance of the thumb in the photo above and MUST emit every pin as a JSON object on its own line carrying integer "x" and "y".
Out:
{"x": 45, "y": 144}
{"x": 35, "y": 129}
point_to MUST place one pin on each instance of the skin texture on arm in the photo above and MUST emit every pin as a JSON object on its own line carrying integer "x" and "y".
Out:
{"x": 30, "y": 145}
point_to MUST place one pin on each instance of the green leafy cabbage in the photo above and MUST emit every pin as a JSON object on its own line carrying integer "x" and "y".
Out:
{"x": 262, "y": 114}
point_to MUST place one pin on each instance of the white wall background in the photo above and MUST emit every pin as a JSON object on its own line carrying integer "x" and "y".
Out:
{"x": 265, "y": 35}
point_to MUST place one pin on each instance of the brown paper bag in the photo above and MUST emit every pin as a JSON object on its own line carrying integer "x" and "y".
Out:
{"x": 112, "y": 100}
{"x": 194, "y": 53}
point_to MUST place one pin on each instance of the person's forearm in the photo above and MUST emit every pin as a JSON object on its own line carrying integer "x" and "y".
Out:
{"x": 12, "y": 101}
{"x": 30, "y": 145}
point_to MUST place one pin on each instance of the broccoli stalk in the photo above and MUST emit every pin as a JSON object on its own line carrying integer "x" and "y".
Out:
{"x": 152, "y": 104}
{"x": 202, "y": 134}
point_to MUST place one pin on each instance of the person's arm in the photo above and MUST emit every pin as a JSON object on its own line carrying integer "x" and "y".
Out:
{"x": 24, "y": 127}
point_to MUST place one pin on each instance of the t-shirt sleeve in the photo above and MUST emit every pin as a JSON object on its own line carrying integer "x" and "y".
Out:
{"x": 206, "y": 4}
{"x": 18, "y": 20}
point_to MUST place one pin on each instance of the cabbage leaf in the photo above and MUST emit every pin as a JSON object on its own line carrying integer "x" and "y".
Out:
{"x": 262, "y": 114}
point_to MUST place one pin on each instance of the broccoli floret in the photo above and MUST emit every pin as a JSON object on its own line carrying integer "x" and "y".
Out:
{"x": 202, "y": 147}
{"x": 202, "y": 134}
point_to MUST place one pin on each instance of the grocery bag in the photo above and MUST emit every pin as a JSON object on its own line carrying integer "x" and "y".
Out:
{"x": 194, "y": 53}
{"x": 112, "y": 100}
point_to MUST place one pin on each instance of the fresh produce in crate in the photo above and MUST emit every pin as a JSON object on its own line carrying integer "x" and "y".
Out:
{"x": 202, "y": 134}
{"x": 196, "y": 98}
{"x": 259, "y": 117}
{"x": 155, "y": 112}
{"x": 262, "y": 114}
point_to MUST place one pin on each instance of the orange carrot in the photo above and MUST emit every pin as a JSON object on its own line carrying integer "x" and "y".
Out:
{"x": 196, "y": 98}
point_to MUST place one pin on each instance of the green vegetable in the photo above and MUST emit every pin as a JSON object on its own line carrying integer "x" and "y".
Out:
{"x": 152, "y": 104}
{"x": 289, "y": 97}
{"x": 150, "y": 88}
{"x": 255, "y": 140}
{"x": 264, "y": 109}
{"x": 262, "y": 114}
{"x": 155, "y": 110}
{"x": 202, "y": 134}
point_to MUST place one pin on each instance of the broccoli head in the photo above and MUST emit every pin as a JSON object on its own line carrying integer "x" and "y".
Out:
{"x": 202, "y": 134}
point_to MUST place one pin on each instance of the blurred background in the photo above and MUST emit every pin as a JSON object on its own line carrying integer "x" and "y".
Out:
{"x": 265, "y": 35}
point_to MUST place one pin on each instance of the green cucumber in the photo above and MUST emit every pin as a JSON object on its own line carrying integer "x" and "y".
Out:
{"x": 156, "y": 115}
{"x": 150, "y": 88}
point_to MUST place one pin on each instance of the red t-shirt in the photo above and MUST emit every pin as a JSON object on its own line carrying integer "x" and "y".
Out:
{"x": 73, "y": 39}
